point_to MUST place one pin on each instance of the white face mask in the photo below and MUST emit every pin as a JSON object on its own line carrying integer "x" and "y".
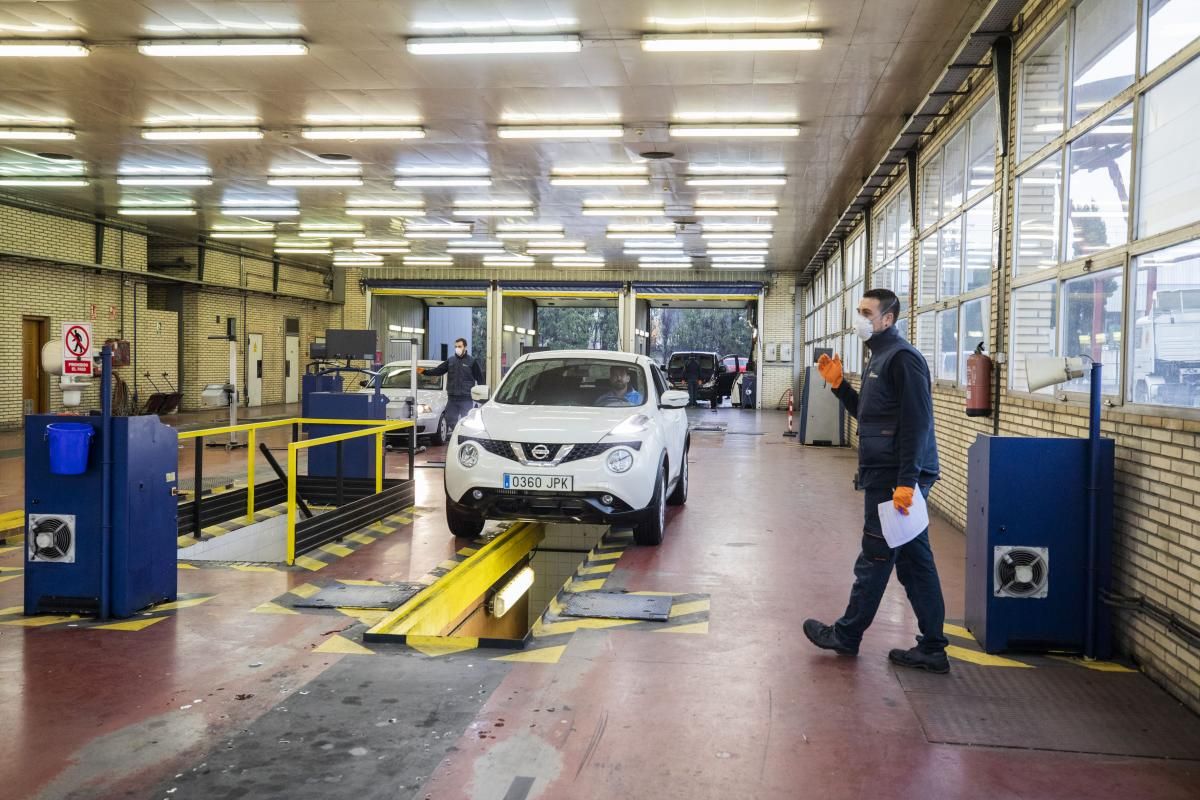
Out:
{"x": 864, "y": 327}
{"x": 458, "y": 351}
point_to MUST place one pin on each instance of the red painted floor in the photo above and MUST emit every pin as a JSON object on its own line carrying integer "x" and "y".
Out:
{"x": 747, "y": 710}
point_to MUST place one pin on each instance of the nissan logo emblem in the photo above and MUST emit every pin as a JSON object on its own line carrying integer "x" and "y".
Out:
{"x": 540, "y": 452}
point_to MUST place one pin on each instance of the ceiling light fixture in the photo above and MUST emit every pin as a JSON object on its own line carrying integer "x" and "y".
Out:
{"x": 43, "y": 181}
{"x": 734, "y": 116}
{"x": 155, "y": 211}
{"x": 312, "y": 251}
{"x": 315, "y": 180}
{"x": 600, "y": 180}
{"x": 443, "y": 180}
{"x": 430, "y": 259}
{"x": 737, "y": 169}
{"x": 661, "y": 245}
{"x": 734, "y": 131}
{"x": 221, "y": 47}
{"x": 655, "y": 265}
{"x": 562, "y": 132}
{"x": 730, "y": 42}
{"x": 623, "y": 211}
{"x": 263, "y": 211}
{"x": 200, "y": 134}
{"x": 240, "y": 235}
{"x": 347, "y": 134}
{"x": 163, "y": 180}
{"x": 388, "y": 250}
{"x": 738, "y": 229}
{"x": 330, "y": 226}
{"x": 37, "y": 134}
{"x": 492, "y": 45}
{"x": 386, "y": 211}
{"x": 329, "y": 234}
{"x": 381, "y": 243}
{"x": 362, "y": 119}
{"x": 42, "y": 48}
{"x": 243, "y": 228}
{"x": 736, "y": 212}
{"x": 494, "y": 243}
{"x": 660, "y": 259}
{"x": 736, "y": 244}
{"x": 764, "y": 180}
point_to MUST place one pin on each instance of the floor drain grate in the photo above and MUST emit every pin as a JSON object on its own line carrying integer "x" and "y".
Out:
{"x": 617, "y": 605}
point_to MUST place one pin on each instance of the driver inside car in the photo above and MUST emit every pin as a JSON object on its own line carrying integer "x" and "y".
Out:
{"x": 619, "y": 390}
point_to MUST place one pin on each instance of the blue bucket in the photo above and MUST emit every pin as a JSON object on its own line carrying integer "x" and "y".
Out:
{"x": 69, "y": 444}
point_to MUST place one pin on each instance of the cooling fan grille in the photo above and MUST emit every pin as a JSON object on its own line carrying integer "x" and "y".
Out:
{"x": 52, "y": 538}
{"x": 1022, "y": 572}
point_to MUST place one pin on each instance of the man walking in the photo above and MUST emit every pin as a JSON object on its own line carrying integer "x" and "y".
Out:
{"x": 691, "y": 374}
{"x": 897, "y": 455}
{"x": 464, "y": 372}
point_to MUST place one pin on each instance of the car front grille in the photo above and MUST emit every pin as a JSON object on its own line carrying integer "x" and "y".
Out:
{"x": 578, "y": 452}
{"x": 493, "y": 446}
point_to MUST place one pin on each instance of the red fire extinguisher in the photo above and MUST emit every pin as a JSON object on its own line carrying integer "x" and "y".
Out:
{"x": 979, "y": 383}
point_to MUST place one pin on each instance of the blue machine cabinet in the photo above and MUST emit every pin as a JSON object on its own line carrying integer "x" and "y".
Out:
{"x": 311, "y": 382}
{"x": 64, "y": 555}
{"x": 358, "y": 455}
{"x": 1027, "y": 543}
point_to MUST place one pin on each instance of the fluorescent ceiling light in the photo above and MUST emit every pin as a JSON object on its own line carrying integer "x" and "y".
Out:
{"x": 523, "y": 228}
{"x": 42, "y": 48}
{"x": 737, "y": 169}
{"x": 734, "y": 131}
{"x": 381, "y": 243}
{"x": 440, "y": 180}
{"x": 388, "y": 250}
{"x": 504, "y": 25}
{"x": 641, "y": 234}
{"x": 721, "y": 201}
{"x": 330, "y": 226}
{"x": 665, "y": 259}
{"x": 646, "y": 265}
{"x": 201, "y": 119}
{"x": 737, "y": 212}
{"x": 544, "y": 251}
{"x": 623, "y": 211}
{"x": 579, "y": 260}
{"x": 661, "y": 245}
{"x": 599, "y": 180}
{"x": 329, "y": 234}
{"x": 33, "y": 180}
{"x": 735, "y": 116}
{"x": 528, "y": 235}
{"x": 315, "y": 180}
{"x": 520, "y": 118}
{"x": 648, "y": 252}
{"x": 439, "y": 226}
{"x": 295, "y": 171}
{"x": 562, "y": 132}
{"x": 484, "y": 202}
{"x": 737, "y": 227}
{"x": 603, "y": 202}
{"x": 243, "y": 228}
{"x": 314, "y": 251}
{"x": 240, "y": 235}
{"x": 356, "y": 134}
{"x": 163, "y": 180}
{"x": 156, "y": 211}
{"x": 475, "y": 251}
{"x": 222, "y": 47}
{"x": 362, "y": 119}
{"x": 664, "y": 227}
{"x": 448, "y": 172}
{"x": 422, "y": 262}
{"x": 723, "y": 253}
{"x": 200, "y": 134}
{"x": 730, "y": 42}
{"x": 34, "y": 119}
{"x": 264, "y": 211}
{"x": 410, "y": 202}
{"x": 385, "y": 211}
{"x": 37, "y": 134}
{"x": 600, "y": 169}
{"x": 726, "y": 245}
{"x": 477, "y": 243}
{"x": 430, "y": 259}
{"x": 492, "y": 45}
{"x": 739, "y": 266}
{"x": 443, "y": 234}
{"x": 762, "y": 180}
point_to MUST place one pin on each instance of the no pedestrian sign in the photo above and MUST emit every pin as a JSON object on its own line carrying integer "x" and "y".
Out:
{"x": 77, "y": 348}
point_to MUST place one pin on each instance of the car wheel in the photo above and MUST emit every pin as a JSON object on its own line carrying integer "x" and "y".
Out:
{"x": 440, "y": 434}
{"x": 679, "y": 496}
{"x": 464, "y": 524}
{"x": 650, "y": 530}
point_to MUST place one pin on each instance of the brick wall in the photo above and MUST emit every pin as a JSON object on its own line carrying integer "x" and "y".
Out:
{"x": 778, "y": 327}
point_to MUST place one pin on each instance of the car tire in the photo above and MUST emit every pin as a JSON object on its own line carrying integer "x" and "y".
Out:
{"x": 679, "y": 495}
{"x": 440, "y": 434}
{"x": 649, "y": 532}
{"x": 464, "y": 524}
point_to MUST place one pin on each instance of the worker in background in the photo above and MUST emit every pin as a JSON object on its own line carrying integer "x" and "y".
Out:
{"x": 897, "y": 455}
{"x": 691, "y": 374}
{"x": 464, "y": 372}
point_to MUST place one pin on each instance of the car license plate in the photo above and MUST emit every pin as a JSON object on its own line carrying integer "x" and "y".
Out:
{"x": 541, "y": 483}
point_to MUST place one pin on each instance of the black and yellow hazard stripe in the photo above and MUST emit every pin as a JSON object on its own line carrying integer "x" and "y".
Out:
{"x": 14, "y": 616}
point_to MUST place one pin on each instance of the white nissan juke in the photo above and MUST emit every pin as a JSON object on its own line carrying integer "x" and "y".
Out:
{"x": 571, "y": 436}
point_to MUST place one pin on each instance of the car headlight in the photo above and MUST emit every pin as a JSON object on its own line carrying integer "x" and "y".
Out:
{"x": 631, "y": 427}
{"x": 619, "y": 460}
{"x": 468, "y": 455}
{"x": 472, "y": 424}
{"x": 424, "y": 409}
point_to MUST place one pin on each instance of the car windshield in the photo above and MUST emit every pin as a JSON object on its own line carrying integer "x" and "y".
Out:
{"x": 401, "y": 378}
{"x": 595, "y": 382}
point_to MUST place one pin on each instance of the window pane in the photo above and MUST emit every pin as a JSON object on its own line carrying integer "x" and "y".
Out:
{"x": 902, "y": 328}
{"x": 884, "y": 278}
{"x": 834, "y": 270}
{"x": 1042, "y": 94}
{"x": 834, "y": 320}
{"x": 1038, "y": 216}
{"x": 979, "y": 246}
{"x": 1173, "y": 24}
{"x": 1105, "y": 52}
{"x": 893, "y": 225}
{"x": 1092, "y": 325}
{"x": 1034, "y": 329}
{"x": 947, "y": 345}
{"x": 880, "y": 233}
{"x": 1098, "y": 192}
{"x": 931, "y": 191}
{"x": 981, "y": 154}
{"x": 951, "y": 259}
{"x": 975, "y": 324}
{"x": 903, "y": 275}
{"x": 927, "y": 283}
{"x": 1169, "y": 182}
{"x": 926, "y": 340}
{"x": 953, "y": 165}
{"x": 903, "y": 219}
{"x": 1166, "y": 345}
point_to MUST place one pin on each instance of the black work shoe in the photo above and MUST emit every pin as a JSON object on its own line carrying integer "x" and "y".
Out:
{"x": 824, "y": 637}
{"x": 931, "y": 662}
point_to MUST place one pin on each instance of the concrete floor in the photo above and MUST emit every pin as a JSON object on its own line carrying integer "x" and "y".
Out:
{"x": 237, "y": 696}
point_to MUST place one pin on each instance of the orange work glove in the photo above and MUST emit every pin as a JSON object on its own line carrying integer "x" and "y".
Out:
{"x": 831, "y": 370}
{"x": 902, "y": 499}
{"x": 420, "y": 370}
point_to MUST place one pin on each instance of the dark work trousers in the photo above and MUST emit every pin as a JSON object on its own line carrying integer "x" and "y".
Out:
{"x": 915, "y": 569}
{"x": 692, "y": 386}
{"x": 457, "y": 407}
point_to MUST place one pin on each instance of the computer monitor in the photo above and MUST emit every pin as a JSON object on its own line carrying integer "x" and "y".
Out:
{"x": 357, "y": 345}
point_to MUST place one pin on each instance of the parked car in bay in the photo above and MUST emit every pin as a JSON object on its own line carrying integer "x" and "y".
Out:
{"x": 716, "y": 381}
{"x": 734, "y": 363}
{"x": 571, "y": 435}
{"x": 431, "y": 399}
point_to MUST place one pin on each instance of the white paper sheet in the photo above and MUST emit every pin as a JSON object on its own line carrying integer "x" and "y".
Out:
{"x": 899, "y": 529}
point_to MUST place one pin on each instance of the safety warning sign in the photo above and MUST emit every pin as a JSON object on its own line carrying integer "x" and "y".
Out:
{"x": 77, "y": 348}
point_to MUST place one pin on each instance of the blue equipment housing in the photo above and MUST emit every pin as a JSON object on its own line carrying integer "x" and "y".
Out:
{"x": 1027, "y": 581}
{"x": 358, "y": 455}
{"x": 317, "y": 382}
{"x": 65, "y": 553}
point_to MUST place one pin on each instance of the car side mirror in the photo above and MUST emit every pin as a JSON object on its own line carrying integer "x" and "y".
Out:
{"x": 479, "y": 393}
{"x": 674, "y": 399}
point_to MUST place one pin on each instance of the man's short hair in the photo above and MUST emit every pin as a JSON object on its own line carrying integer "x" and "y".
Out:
{"x": 889, "y": 303}
{"x": 461, "y": 340}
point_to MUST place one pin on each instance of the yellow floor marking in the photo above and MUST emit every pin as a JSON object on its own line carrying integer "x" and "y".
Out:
{"x": 335, "y": 549}
{"x": 695, "y": 627}
{"x": 435, "y": 646}
{"x": 379, "y": 526}
{"x": 367, "y": 616}
{"x": 184, "y": 542}
{"x": 602, "y": 569}
{"x": 131, "y": 625}
{"x": 8, "y": 578}
{"x": 340, "y": 644}
{"x": 570, "y": 626}
{"x": 467, "y": 551}
{"x": 542, "y": 655}
{"x": 585, "y": 586}
{"x": 304, "y": 590}
{"x": 11, "y": 610}
{"x": 37, "y": 622}
{"x": 253, "y": 568}
{"x": 310, "y": 563}
{"x": 361, "y": 538}
{"x": 448, "y": 565}
{"x": 983, "y": 659}
{"x": 556, "y": 607}
{"x": 273, "y": 608}
{"x": 215, "y": 530}
{"x": 356, "y": 582}
{"x": 188, "y": 603}
{"x": 605, "y": 556}
{"x": 12, "y": 569}
{"x": 694, "y": 607}
{"x": 268, "y": 513}
{"x": 403, "y": 520}
{"x": 1098, "y": 666}
{"x": 4, "y": 550}
{"x": 186, "y": 566}
{"x": 957, "y": 630}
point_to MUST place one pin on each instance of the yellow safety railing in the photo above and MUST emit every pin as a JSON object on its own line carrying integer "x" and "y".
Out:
{"x": 373, "y": 427}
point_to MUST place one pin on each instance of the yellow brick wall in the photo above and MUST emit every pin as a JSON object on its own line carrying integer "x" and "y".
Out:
{"x": 779, "y": 319}
{"x": 45, "y": 235}
{"x": 354, "y": 306}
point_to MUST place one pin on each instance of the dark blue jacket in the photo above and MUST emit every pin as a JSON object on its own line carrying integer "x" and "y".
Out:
{"x": 894, "y": 409}
{"x": 464, "y": 373}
